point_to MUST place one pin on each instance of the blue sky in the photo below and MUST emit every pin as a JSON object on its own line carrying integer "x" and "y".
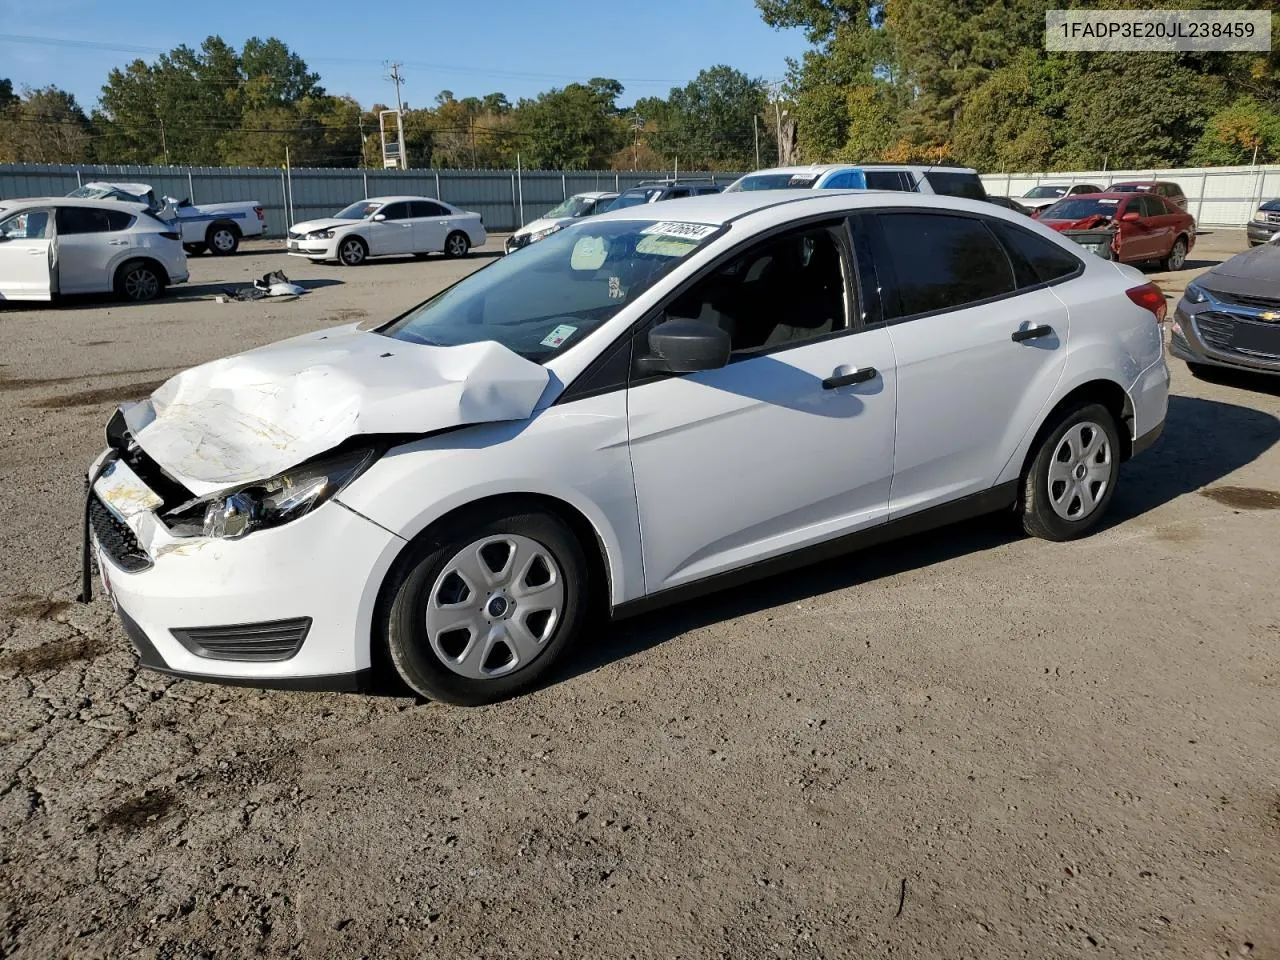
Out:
{"x": 471, "y": 48}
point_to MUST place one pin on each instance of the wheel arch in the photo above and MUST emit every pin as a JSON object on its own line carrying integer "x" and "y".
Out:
{"x": 132, "y": 258}
{"x": 223, "y": 222}
{"x": 1100, "y": 390}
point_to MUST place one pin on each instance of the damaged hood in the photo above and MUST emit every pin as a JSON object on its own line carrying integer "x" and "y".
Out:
{"x": 324, "y": 223}
{"x": 542, "y": 223}
{"x": 249, "y": 417}
{"x": 1091, "y": 222}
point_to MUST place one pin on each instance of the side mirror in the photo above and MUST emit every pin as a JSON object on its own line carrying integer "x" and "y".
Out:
{"x": 379, "y": 217}
{"x": 686, "y": 346}
{"x": 1131, "y": 217}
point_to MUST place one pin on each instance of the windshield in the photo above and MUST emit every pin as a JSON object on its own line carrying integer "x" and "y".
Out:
{"x": 361, "y": 210}
{"x": 573, "y": 207}
{"x": 557, "y": 291}
{"x": 1041, "y": 193}
{"x": 1077, "y": 208}
{"x": 774, "y": 181}
{"x": 633, "y": 198}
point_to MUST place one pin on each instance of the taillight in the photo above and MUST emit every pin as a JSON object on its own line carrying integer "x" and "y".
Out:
{"x": 1149, "y": 297}
{"x": 261, "y": 215}
{"x": 171, "y": 236}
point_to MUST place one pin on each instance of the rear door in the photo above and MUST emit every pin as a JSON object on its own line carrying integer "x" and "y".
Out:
{"x": 979, "y": 349}
{"x": 91, "y": 241}
{"x": 430, "y": 225}
{"x": 394, "y": 234}
{"x": 25, "y": 271}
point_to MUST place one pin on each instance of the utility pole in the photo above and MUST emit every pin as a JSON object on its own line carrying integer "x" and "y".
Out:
{"x": 164, "y": 143}
{"x": 397, "y": 80}
{"x": 637, "y": 123}
{"x": 755, "y": 128}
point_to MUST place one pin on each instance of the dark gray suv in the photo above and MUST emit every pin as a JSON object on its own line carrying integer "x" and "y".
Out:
{"x": 651, "y": 191}
{"x": 1230, "y": 316}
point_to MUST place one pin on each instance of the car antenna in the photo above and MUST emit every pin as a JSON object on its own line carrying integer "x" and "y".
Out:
{"x": 915, "y": 188}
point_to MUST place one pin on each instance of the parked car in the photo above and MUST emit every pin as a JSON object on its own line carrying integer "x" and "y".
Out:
{"x": 216, "y": 227}
{"x": 1129, "y": 227}
{"x": 1265, "y": 223}
{"x": 1045, "y": 195}
{"x": 652, "y": 191}
{"x": 463, "y": 485}
{"x": 1010, "y": 204}
{"x": 1161, "y": 188}
{"x": 56, "y": 245}
{"x": 946, "y": 181}
{"x": 573, "y": 208}
{"x": 1230, "y": 316}
{"x": 383, "y": 226}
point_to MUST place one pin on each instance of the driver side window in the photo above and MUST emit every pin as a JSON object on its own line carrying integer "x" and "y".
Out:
{"x": 777, "y": 294}
{"x": 27, "y": 225}
{"x": 396, "y": 211}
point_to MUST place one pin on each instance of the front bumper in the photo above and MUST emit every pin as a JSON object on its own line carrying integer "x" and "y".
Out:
{"x": 326, "y": 566}
{"x": 1207, "y": 334}
{"x": 1260, "y": 231}
{"x": 312, "y": 249}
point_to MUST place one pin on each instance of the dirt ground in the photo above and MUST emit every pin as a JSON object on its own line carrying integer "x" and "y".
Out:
{"x": 967, "y": 744}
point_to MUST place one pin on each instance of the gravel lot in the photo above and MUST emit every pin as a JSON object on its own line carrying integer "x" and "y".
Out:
{"x": 968, "y": 744}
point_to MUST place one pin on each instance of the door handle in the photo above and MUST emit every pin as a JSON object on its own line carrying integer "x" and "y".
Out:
{"x": 1032, "y": 333}
{"x": 36, "y": 253}
{"x": 838, "y": 379}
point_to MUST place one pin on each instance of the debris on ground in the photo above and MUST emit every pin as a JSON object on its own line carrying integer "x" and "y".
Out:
{"x": 273, "y": 284}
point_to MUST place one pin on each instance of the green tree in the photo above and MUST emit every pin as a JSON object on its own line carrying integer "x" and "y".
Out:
{"x": 43, "y": 126}
{"x": 283, "y": 77}
{"x": 7, "y": 96}
{"x": 576, "y": 127}
{"x": 1239, "y": 133}
{"x": 712, "y": 122}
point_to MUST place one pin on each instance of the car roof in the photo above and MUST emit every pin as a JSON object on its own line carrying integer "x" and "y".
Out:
{"x": 597, "y": 194}
{"x": 71, "y": 202}
{"x": 821, "y": 168}
{"x": 392, "y": 199}
{"x": 721, "y": 208}
{"x": 117, "y": 185}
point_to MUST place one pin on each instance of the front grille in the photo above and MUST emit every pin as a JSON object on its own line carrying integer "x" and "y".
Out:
{"x": 1271, "y": 216}
{"x": 116, "y": 539}
{"x": 1245, "y": 300}
{"x": 1225, "y": 333}
{"x": 274, "y": 640}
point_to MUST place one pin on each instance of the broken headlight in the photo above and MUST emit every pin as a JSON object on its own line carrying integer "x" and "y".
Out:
{"x": 230, "y": 515}
{"x": 543, "y": 234}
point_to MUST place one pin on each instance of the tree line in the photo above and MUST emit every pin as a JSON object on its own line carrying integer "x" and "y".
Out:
{"x": 970, "y": 81}
{"x": 965, "y": 81}
{"x": 217, "y": 105}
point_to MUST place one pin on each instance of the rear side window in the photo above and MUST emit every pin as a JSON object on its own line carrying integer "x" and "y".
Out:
{"x": 886, "y": 180}
{"x": 1035, "y": 260}
{"x": 425, "y": 208}
{"x": 676, "y": 195}
{"x": 119, "y": 220}
{"x": 73, "y": 220}
{"x": 942, "y": 262}
{"x": 952, "y": 184}
{"x": 846, "y": 180}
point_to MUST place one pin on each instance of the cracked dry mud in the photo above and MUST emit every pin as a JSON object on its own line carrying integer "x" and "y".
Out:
{"x": 964, "y": 745}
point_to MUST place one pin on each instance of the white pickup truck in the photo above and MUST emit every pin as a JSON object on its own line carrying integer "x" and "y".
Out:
{"x": 216, "y": 227}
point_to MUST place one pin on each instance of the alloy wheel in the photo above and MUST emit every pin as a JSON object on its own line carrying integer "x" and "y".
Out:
{"x": 494, "y": 606}
{"x": 457, "y": 245}
{"x": 1080, "y": 471}
{"x": 141, "y": 284}
{"x": 352, "y": 252}
{"x": 224, "y": 240}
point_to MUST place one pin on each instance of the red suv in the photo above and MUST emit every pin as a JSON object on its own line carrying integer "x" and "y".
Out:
{"x": 1161, "y": 188}
{"x": 1129, "y": 227}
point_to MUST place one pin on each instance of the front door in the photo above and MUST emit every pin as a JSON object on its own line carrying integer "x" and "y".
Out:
{"x": 792, "y": 442}
{"x": 25, "y": 272}
{"x": 980, "y": 344}
{"x": 394, "y": 233}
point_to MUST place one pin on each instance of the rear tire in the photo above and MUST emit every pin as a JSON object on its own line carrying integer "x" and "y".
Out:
{"x": 457, "y": 244}
{"x": 511, "y": 626}
{"x": 139, "y": 281}
{"x": 1177, "y": 257}
{"x": 1072, "y": 477}
{"x": 223, "y": 239}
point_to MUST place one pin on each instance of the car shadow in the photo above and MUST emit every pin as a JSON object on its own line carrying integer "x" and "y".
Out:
{"x": 1204, "y": 441}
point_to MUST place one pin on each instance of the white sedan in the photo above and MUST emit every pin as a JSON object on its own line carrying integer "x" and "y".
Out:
{"x": 385, "y": 226}
{"x": 58, "y": 245}
{"x": 638, "y": 409}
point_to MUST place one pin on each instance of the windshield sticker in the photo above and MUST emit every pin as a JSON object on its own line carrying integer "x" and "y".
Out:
{"x": 1108, "y": 203}
{"x": 559, "y": 335}
{"x": 673, "y": 228}
{"x": 665, "y": 246}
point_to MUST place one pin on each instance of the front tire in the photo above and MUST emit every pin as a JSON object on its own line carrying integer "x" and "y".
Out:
{"x": 1177, "y": 257}
{"x": 223, "y": 239}
{"x": 139, "y": 281}
{"x": 457, "y": 244}
{"x": 1072, "y": 477}
{"x": 486, "y": 603}
{"x": 352, "y": 251}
